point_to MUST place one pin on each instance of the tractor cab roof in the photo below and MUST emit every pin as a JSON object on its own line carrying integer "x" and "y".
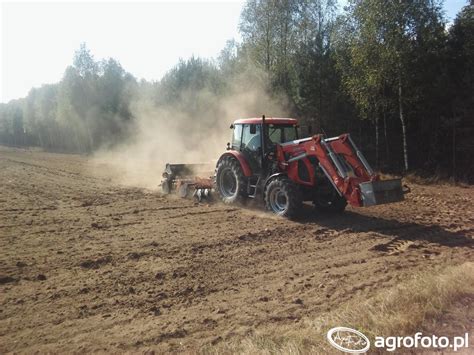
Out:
{"x": 268, "y": 120}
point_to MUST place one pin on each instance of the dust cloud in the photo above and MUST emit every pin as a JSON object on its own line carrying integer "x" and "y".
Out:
{"x": 194, "y": 129}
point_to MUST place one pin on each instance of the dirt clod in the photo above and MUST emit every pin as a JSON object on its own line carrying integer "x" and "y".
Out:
{"x": 155, "y": 310}
{"x": 298, "y": 301}
{"x": 160, "y": 276}
{"x": 95, "y": 264}
{"x": 6, "y": 279}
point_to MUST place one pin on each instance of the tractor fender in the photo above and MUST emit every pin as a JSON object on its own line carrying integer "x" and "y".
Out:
{"x": 272, "y": 177}
{"x": 240, "y": 158}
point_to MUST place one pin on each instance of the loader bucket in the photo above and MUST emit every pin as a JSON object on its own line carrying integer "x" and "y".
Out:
{"x": 381, "y": 192}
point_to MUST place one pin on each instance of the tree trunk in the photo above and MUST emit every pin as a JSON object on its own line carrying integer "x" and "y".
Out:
{"x": 267, "y": 40}
{"x": 377, "y": 142}
{"x": 454, "y": 147}
{"x": 402, "y": 120}
{"x": 387, "y": 148}
{"x": 359, "y": 124}
{"x": 40, "y": 138}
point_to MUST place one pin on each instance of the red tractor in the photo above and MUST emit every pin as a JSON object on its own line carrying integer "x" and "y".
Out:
{"x": 266, "y": 159}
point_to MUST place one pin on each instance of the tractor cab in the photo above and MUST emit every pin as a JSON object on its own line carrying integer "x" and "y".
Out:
{"x": 257, "y": 137}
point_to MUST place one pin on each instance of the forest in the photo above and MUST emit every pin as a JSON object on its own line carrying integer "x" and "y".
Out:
{"x": 394, "y": 74}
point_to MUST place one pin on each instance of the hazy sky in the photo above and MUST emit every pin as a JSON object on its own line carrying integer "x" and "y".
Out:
{"x": 38, "y": 39}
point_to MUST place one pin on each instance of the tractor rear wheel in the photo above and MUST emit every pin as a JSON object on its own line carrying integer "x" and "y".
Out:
{"x": 230, "y": 180}
{"x": 283, "y": 198}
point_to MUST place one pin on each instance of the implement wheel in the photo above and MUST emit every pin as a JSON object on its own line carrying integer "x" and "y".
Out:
{"x": 283, "y": 198}
{"x": 165, "y": 187}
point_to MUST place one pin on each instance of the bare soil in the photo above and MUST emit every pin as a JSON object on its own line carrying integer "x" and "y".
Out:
{"x": 89, "y": 265}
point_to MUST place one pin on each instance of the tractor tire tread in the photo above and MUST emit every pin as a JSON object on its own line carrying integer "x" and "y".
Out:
{"x": 234, "y": 165}
{"x": 293, "y": 193}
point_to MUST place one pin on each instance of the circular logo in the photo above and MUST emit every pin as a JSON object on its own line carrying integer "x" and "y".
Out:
{"x": 348, "y": 340}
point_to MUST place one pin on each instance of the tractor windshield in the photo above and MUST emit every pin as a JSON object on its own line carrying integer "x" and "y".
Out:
{"x": 282, "y": 133}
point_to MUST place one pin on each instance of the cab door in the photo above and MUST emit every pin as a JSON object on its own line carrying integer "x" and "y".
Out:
{"x": 252, "y": 146}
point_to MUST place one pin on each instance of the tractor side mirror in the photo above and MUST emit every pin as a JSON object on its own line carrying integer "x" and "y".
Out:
{"x": 253, "y": 129}
{"x": 231, "y": 126}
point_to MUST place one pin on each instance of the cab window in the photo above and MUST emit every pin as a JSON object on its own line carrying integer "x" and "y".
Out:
{"x": 251, "y": 139}
{"x": 274, "y": 133}
{"x": 282, "y": 134}
{"x": 290, "y": 133}
{"x": 237, "y": 137}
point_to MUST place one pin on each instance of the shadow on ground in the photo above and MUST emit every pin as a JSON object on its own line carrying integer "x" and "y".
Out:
{"x": 360, "y": 223}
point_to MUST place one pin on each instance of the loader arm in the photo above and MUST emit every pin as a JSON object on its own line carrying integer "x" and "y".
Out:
{"x": 339, "y": 159}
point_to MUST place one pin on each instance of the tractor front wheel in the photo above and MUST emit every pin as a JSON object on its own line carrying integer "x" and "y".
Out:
{"x": 230, "y": 180}
{"x": 282, "y": 197}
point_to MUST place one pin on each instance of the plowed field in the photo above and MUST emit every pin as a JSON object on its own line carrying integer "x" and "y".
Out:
{"x": 87, "y": 264}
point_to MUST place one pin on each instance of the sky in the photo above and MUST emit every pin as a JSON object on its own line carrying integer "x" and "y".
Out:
{"x": 38, "y": 39}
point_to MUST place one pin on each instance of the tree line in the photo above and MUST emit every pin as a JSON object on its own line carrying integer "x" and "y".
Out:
{"x": 392, "y": 73}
